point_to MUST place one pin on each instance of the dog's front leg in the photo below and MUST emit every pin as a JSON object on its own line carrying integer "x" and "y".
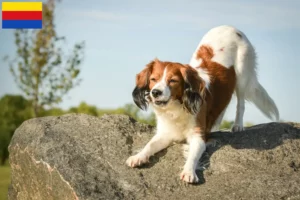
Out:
{"x": 156, "y": 144}
{"x": 196, "y": 148}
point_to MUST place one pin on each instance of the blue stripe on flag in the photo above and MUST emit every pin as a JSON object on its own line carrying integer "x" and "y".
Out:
{"x": 25, "y": 24}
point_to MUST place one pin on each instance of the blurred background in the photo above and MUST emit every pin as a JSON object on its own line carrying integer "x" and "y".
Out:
{"x": 85, "y": 58}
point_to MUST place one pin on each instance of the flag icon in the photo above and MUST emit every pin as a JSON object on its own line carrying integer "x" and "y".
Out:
{"x": 22, "y": 15}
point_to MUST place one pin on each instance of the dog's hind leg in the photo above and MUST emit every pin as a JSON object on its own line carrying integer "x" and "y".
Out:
{"x": 240, "y": 109}
{"x": 246, "y": 79}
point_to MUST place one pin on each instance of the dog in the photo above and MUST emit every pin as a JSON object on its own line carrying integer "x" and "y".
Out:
{"x": 189, "y": 100}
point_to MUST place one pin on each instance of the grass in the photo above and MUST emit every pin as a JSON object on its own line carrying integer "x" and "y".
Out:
{"x": 4, "y": 181}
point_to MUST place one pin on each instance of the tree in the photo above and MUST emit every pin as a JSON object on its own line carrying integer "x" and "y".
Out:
{"x": 14, "y": 110}
{"x": 39, "y": 68}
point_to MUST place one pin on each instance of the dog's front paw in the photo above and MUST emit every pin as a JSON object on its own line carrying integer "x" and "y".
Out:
{"x": 237, "y": 128}
{"x": 137, "y": 160}
{"x": 189, "y": 176}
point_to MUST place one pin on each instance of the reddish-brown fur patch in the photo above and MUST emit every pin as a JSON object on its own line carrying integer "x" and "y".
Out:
{"x": 205, "y": 53}
{"x": 142, "y": 79}
{"x": 222, "y": 84}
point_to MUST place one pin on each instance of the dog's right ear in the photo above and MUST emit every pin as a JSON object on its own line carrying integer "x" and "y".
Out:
{"x": 141, "y": 89}
{"x": 194, "y": 90}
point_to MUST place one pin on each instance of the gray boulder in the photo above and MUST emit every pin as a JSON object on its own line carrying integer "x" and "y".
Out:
{"x": 77, "y": 156}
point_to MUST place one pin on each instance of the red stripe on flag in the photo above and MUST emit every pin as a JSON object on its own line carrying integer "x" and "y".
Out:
{"x": 22, "y": 15}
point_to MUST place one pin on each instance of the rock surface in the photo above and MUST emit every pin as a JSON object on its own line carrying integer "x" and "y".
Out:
{"x": 78, "y": 156}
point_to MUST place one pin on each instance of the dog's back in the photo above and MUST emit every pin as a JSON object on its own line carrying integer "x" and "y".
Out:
{"x": 220, "y": 51}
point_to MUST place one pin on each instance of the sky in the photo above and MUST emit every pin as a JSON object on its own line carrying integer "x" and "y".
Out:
{"x": 122, "y": 36}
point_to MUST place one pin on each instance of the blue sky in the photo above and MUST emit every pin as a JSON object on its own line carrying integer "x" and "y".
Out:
{"x": 123, "y": 36}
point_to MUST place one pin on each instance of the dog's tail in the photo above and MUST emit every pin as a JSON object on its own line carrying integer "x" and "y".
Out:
{"x": 248, "y": 83}
{"x": 259, "y": 96}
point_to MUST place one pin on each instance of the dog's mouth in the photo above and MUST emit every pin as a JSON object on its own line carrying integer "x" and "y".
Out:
{"x": 154, "y": 101}
{"x": 161, "y": 103}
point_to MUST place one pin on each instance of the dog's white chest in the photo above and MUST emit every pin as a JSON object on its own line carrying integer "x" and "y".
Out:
{"x": 176, "y": 123}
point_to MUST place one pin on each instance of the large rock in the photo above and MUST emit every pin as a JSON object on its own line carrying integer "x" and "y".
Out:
{"x": 83, "y": 157}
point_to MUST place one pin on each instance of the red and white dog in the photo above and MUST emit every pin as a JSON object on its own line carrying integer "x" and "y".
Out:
{"x": 190, "y": 100}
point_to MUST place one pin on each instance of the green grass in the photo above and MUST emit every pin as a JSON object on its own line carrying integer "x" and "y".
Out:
{"x": 4, "y": 181}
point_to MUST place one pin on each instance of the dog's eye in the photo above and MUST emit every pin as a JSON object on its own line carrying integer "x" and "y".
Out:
{"x": 173, "y": 81}
{"x": 153, "y": 79}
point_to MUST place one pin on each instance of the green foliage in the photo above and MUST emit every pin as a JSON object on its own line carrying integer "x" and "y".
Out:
{"x": 41, "y": 69}
{"x": 85, "y": 108}
{"x": 129, "y": 109}
{"x": 248, "y": 124}
{"x": 5, "y": 137}
{"x": 226, "y": 124}
{"x": 102, "y": 112}
{"x": 14, "y": 110}
{"x": 4, "y": 181}
{"x": 52, "y": 112}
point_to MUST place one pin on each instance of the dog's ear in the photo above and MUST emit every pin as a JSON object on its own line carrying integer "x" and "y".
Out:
{"x": 194, "y": 90}
{"x": 141, "y": 89}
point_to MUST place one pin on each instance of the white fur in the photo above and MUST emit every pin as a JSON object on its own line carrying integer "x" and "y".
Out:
{"x": 233, "y": 50}
{"x": 174, "y": 124}
{"x": 202, "y": 72}
{"x": 194, "y": 61}
{"x": 205, "y": 76}
{"x": 196, "y": 149}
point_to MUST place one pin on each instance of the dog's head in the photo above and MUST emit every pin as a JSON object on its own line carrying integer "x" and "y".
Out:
{"x": 162, "y": 82}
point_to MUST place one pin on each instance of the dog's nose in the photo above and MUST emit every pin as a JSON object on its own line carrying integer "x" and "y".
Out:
{"x": 156, "y": 93}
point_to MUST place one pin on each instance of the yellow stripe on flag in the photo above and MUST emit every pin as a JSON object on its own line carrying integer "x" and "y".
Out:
{"x": 22, "y": 6}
